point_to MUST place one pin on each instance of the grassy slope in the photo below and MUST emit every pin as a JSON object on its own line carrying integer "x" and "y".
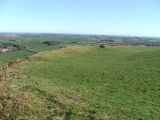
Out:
{"x": 34, "y": 43}
{"x": 85, "y": 83}
{"x": 12, "y": 56}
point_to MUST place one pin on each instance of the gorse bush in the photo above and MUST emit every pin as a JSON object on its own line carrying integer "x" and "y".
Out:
{"x": 102, "y": 46}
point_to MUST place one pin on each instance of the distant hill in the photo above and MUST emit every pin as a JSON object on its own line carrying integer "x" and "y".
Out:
{"x": 9, "y": 35}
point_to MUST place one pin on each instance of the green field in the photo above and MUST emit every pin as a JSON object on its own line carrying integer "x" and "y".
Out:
{"x": 34, "y": 44}
{"x": 12, "y": 56}
{"x": 115, "y": 83}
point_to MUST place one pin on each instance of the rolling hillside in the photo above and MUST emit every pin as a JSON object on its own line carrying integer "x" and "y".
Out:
{"x": 83, "y": 82}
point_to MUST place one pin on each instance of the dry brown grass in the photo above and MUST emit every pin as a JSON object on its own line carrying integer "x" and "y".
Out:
{"x": 60, "y": 52}
{"x": 15, "y": 87}
{"x": 59, "y": 118}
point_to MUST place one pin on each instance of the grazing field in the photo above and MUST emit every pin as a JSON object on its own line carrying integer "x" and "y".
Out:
{"x": 34, "y": 43}
{"x": 86, "y": 82}
{"x": 12, "y": 56}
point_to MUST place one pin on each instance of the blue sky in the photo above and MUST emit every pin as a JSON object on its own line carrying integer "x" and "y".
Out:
{"x": 108, "y": 17}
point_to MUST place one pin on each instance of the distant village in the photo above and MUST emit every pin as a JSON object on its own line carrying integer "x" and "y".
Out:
{"x": 7, "y": 47}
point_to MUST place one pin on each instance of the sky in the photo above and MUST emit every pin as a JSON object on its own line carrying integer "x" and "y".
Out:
{"x": 105, "y": 17}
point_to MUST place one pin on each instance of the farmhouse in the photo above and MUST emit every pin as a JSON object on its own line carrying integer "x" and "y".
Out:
{"x": 4, "y": 50}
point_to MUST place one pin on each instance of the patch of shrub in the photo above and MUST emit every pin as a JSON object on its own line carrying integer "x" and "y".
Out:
{"x": 102, "y": 46}
{"x": 50, "y": 43}
{"x": 26, "y": 57}
{"x": 61, "y": 47}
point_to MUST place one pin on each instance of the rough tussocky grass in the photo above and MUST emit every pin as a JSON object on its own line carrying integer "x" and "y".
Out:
{"x": 85, "y": 83}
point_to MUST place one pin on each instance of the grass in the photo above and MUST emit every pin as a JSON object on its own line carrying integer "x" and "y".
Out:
{"x": 85, "y": 83}
{"x": 33, "y": 46}
{"x": 61, "y": 38}
{"x": 12, "y": 56}
{"x": 30, "y": 51}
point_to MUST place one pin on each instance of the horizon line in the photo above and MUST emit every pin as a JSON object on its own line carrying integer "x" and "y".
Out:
{"x": 121, "y": 35}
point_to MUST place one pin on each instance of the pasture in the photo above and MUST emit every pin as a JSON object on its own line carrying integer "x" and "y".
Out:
{"x": 84, "y": 82}
{"x": 34, "y": 43}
